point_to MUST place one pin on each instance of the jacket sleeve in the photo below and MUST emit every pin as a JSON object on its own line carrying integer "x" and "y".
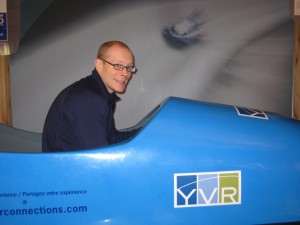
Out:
{"x": 118, "y": 136}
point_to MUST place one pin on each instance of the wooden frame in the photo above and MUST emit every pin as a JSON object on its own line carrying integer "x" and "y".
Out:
{"x": 5, "y": 92}
{"x": 295, "y": 13}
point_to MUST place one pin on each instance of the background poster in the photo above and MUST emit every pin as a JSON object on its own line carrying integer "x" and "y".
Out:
{"x": 235, "y": 52}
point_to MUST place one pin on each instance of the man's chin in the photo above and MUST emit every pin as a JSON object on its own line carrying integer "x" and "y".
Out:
{"x": 120, "y": 90}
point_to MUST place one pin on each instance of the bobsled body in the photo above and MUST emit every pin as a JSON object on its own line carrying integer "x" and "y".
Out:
{"x": 191, "y": 163}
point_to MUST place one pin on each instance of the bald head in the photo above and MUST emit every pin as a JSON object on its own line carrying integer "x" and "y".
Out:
{"x": 104, "y": 49}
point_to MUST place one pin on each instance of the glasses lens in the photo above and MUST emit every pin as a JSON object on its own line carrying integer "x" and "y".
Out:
{"x": 131, "y": 69}
{"x": 118, "y": 67}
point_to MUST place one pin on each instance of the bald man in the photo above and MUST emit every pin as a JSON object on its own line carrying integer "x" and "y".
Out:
{"x": 81, "y": 116}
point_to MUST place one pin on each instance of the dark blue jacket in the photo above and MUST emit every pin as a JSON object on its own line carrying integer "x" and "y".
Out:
{"x": 81, "y": 117}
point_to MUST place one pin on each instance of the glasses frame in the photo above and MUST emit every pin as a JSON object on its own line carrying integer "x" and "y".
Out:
{"x": 120, "y": 67}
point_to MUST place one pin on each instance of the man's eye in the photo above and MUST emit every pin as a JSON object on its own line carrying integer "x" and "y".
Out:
{"x": 118, "y": 66}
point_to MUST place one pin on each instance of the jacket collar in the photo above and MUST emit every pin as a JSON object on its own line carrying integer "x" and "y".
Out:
{"x": 113, "y": 97}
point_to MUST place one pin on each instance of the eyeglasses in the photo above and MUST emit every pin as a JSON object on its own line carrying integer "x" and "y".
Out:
{"x": 130, "y": 69}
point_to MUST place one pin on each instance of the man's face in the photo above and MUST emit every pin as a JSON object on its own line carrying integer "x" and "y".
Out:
{"x": 115, "y": 80}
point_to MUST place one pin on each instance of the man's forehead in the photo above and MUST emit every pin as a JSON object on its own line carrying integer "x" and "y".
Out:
{"x": 119, "y": 52}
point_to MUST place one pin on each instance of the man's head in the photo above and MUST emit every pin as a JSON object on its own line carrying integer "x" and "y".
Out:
{"x": 115, "y": 64}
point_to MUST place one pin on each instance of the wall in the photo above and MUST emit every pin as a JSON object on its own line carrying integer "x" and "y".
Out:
{"x": 234, "y": 52}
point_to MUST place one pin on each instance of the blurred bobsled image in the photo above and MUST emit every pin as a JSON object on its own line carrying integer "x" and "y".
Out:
{"x": 185, "y": 32}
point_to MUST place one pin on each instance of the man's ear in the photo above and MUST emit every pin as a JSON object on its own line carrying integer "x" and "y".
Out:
{"x": 98, "y": 63}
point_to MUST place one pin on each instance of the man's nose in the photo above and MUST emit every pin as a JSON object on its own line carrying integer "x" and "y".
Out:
{"x": 126, "y": 73}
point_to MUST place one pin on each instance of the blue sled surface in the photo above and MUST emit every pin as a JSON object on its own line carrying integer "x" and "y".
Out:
{"x": 191, "y": 163}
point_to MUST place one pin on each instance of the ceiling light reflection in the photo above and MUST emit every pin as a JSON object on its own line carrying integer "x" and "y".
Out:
{"x": 107, "y": 156}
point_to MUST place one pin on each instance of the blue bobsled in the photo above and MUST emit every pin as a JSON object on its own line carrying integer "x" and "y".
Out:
{"x": 192, "y": 163}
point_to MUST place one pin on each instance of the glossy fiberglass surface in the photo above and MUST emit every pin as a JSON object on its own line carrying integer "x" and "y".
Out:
{"x": 191, "y": 163}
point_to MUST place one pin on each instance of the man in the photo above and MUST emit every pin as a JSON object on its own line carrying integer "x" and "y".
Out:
{"x": 81, "y": 116}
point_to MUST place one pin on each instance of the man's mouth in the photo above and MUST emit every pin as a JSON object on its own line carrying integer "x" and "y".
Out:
{"x": 120, "y": 81}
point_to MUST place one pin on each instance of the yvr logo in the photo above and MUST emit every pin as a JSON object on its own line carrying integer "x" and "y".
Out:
{"x": 207, "y": 189}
